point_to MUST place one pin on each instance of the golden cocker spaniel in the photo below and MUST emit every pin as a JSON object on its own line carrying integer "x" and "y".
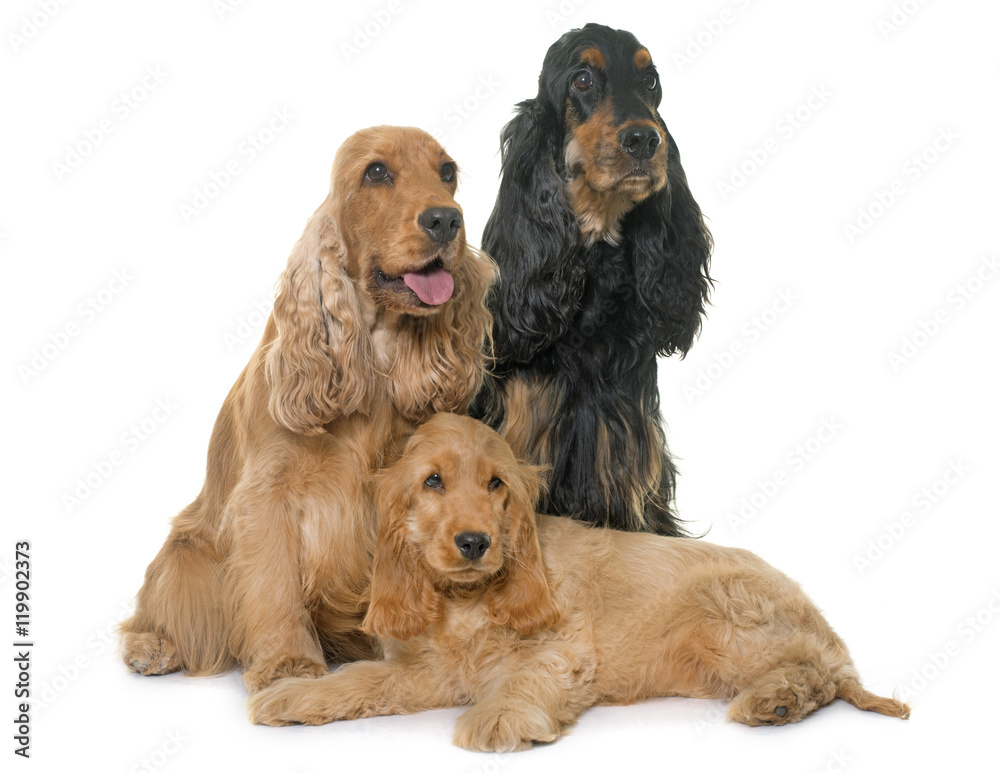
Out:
{"x": 379, "y": 321}
{"x": 531, "y": 626}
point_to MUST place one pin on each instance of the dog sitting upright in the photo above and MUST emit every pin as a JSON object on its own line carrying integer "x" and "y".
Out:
{"x": 603, "y": 257}
{"x": 531, "y": 626}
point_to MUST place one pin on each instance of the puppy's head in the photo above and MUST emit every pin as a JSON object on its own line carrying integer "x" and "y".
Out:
{"x": 392, "y": 192}
{"x": 457, "y": 512}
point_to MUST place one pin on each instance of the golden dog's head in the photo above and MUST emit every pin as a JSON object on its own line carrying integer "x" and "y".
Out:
{"x": 457, "y": 511}
{"x": 383, "y": 262}
{"x": 393, "y": 190}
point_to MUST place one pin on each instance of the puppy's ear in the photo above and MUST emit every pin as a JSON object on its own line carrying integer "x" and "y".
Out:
{"x": 403, "y": 600}
{"x": 520, "y": 597}
{"x": 319, "y": 364}
{"x": 671, "y": 249}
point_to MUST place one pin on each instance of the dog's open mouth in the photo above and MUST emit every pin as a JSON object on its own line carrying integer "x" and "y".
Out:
{"x": 431, "y": 286}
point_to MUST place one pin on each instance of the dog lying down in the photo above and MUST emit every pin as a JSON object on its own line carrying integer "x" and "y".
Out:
{"x": 531, "y": 621}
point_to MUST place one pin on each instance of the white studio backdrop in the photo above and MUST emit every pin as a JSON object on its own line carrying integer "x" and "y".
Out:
{"x": 838, "y": 414}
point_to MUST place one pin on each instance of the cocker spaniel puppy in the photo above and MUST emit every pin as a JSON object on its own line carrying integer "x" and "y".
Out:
{"x": 603, "y": 259}
{"x": 532, "y": 625}
{"x": 379, "y": 321}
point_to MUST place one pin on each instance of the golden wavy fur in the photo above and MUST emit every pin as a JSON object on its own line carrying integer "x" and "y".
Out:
{"x": 269, "y": 567}
{"x": 532, "y": 626}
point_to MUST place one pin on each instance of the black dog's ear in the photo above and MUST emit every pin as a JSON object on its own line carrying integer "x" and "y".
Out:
{"x": 671, "y": 248}
{"x": 532, "y": 234}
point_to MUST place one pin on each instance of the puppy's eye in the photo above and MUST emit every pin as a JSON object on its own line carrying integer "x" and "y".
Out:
{"x": 447, "y": 172}
{"x": 649, "y": 81}
{"x": 495, "y": 483}
{"x": 434, "y": 481}
{"x": 583, "y": 80}
{"x": 377, "y": 172}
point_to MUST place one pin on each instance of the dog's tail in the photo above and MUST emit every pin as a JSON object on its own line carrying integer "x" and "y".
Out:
{"x": 849, "y": 689}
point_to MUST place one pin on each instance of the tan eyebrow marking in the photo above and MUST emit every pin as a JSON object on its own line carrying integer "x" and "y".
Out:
{"x": 594, "y": 58}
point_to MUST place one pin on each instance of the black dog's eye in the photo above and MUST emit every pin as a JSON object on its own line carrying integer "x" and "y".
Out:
{"x": 377, "y": 172}
{"x": 583, "y": 80}
{"x": 649, "y": 81}
{"x": 447, "y": 172}
{"x": 434, "y": 481}
{"x": 495, "y": 483}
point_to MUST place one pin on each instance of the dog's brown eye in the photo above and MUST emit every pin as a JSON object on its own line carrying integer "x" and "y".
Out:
{"x": 649, "y": 81}
{"x": 434, "y": 481}
{"x": 377, "y": 172}
{"x": 583, "y": 80}
{"x": 447, "y": 172}
{"x": 495, "y": 483}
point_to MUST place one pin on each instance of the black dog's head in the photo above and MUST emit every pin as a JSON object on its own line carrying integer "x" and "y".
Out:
{"x": 603, "y": 87}
{"x": 589, "y": 160}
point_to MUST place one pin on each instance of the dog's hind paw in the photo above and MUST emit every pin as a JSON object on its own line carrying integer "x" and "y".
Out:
{"x": 783, "y": 696}
{"x": 149, "y": 654}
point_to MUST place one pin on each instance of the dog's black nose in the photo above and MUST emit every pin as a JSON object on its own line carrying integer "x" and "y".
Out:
{"x": 640, "y": 142}
{"x": 472, "y": 544}
{"x": 442, "y": 223}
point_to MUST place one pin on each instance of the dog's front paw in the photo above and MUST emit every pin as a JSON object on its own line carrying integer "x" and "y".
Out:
{"x": 488, "y": 728}
{"x": 261, "y": 675}
{"x": 149, "y": 654}
{"x": 282, "y": 704}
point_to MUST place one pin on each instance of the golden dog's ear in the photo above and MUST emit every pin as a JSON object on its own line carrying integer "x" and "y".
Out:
{"x": 520, "y": 597}
{"x": 403, "y": 600}
{"x": 443, "y": 369}
{"x": 320, "y": 362}
{"x": 471, "y": 326}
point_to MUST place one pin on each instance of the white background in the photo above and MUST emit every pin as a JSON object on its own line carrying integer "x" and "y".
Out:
{"x": 814, "y": 500}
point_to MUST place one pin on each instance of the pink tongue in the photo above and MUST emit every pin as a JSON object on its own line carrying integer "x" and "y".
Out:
{"x": 433, "y": 288}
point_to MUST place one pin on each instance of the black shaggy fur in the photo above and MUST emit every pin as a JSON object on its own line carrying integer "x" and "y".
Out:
{"x": 581, "y": 324}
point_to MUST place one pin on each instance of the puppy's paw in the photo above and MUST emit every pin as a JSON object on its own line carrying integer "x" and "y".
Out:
{"x": 781, "y": 708}
{"x": 494, "y": 728}
{"x": 266, "y": 673}
{"x": 288, "y": 702}
{"x": 783, "y": 696}
{"x": 149, "y": 654}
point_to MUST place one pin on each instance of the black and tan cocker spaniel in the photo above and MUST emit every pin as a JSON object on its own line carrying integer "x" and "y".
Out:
{"x": 604, "y": 259}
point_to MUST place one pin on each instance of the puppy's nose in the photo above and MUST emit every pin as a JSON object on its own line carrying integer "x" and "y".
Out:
{"x": 472, "y": 544}
{"x": 442, "y": 223}
{"x": 640, "y": 142}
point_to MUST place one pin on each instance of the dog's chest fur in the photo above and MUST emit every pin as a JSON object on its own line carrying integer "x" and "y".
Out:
{"x": 465, "y": 651}
{"x": 608, "y": 335}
